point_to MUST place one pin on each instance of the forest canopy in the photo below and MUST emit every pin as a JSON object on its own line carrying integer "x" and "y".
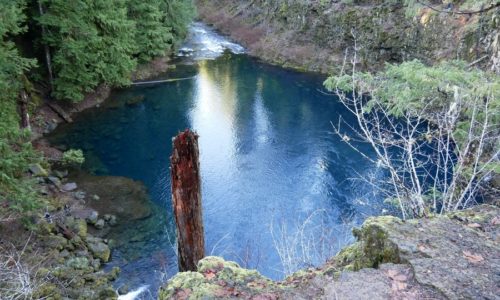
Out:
{"x": 66, "y": 49}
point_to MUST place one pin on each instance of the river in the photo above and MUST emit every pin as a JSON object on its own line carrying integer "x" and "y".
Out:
{"x": 280, "y": 190}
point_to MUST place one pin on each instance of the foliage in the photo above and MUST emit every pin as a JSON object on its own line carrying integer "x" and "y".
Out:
{"x": 73, "y": 157}
{"x": 153, "y": 36}
{"x": 160, "y": 25}
{"x": 15, "y": 149}
{"x": 413, "y": 86}
{"x": 178, "y": 15}
{"x": 99, "y": 41}
{"x": 93, "y": 43}
{"x": 434, "y": 129}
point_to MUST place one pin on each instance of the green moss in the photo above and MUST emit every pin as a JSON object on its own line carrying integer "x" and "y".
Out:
{"x": 193, "y": 281}
{"x": 47, "y": 291}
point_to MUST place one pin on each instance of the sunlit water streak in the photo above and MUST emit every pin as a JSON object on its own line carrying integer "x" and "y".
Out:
{"x": 269, "y": 161}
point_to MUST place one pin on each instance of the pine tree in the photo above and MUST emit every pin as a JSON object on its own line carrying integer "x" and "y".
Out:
{"x": 16, "y": 152}
{"x": 178, "y": 15}
{"x": 92, "y": 42}
{"x": 153, "y": 37}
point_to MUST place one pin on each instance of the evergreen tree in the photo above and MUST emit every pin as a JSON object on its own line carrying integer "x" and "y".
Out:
{"x": 93, "y": 43}
{"x": 178, "y": 15}
{"x": 16, "y": 152}
{"x": 153, "y": 37}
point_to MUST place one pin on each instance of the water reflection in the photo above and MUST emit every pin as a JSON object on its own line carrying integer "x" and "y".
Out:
{"x": 272, "y": 172}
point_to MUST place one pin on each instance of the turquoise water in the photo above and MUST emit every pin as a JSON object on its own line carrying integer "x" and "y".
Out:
{"x": 274, "y": 176}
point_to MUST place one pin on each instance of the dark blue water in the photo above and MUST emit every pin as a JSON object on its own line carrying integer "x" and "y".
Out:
{"x": 277, "y": 184}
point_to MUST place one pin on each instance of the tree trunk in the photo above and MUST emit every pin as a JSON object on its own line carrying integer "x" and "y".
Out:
{"x": 186, "y": 198}
{"x": 48, "y": 59}
{"x": 23, "y": 110}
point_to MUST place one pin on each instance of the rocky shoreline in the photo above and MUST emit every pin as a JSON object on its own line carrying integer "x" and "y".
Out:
{"x": 67, "y": 247}
{"x": 455, "y": 256}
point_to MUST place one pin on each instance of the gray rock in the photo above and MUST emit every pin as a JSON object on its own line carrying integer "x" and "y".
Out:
{"x": 70, "y": 186}
{"x": 64, "y": 253}
{"x": 60, "y": 174}
{"x": 50, "y": 127}
{"x": 113, "y": 221}
{"x": 55, "y": 181}
{"x": 100, "y": 251}
{"x": 96, "y": 264}
{"x": 80, "y": 195}
{"x": 99, "y": 224}
{"x": 122, "y": 290}
{"x": 92, "y": 218}
{"x": 44, "y": 190}
{"x": 38, "y": 171}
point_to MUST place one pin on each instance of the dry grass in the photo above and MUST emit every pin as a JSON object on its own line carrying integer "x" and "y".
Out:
{"x": 309, "y": 242}
{"x": 20, "y": 277}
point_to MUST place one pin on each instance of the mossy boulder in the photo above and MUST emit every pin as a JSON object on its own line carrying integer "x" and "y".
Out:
{"x": 78, "y": 226}
{"x": 54, "y": 241}
{"x": 99, "y": 249}
{"x": 217, "y": 278}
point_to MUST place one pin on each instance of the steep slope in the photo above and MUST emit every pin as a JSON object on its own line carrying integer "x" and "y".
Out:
{"x": 314, "y": 35}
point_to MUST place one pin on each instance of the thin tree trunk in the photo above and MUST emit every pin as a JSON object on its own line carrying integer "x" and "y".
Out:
{"x": 23, "y": 110}
{"x": 48, "y": 60}
{"x": 186, "y": 198}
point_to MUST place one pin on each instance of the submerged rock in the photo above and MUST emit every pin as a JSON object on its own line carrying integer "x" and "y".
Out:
{"x": 442, "y": 257}
{"x": 122, "y": 197}
{"x": 135, "y": 100}
{"x": 80, "y": 195}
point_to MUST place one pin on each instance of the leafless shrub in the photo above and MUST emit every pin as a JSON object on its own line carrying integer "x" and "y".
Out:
{"x": 19, "y": 276}
{"x": 310, "y": 242}
{"x": 431, "y": 168}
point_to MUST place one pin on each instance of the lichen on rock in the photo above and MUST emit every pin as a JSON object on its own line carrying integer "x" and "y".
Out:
{"x": 440, "y": 257}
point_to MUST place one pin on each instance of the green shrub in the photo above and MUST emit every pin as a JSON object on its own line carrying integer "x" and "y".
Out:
{"x": 73, "y": 157}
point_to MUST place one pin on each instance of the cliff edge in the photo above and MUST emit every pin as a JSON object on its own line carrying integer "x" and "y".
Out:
{"x": 314, "y": 35}
{"x": 456, "y": 256}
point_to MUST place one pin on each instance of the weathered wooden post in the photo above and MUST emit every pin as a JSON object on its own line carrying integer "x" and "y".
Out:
{"x": 186, "y": 198}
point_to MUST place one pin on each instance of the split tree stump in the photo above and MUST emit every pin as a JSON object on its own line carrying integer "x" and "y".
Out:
{"x": 186, "y": 198}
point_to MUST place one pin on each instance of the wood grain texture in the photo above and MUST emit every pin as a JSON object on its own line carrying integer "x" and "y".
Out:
{"x": 186, "y": 197}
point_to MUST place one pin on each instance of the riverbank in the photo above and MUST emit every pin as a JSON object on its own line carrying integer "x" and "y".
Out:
{"x": 64, "y": 252}
{"x": 453, "y": 256}
{"x": 314, "y": 35}
{"x": 49, "y": 115}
